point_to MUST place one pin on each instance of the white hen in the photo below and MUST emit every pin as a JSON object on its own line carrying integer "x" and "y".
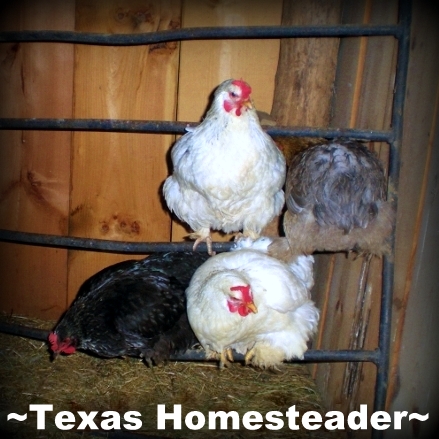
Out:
{"x": 255, "y": 304}
{"x": 279, "y": 248}
{"x": 228, "y": 173}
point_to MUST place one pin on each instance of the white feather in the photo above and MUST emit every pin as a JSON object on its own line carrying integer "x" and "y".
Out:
{"x": 228, "y": 173}
{"x": 286, "y": 316}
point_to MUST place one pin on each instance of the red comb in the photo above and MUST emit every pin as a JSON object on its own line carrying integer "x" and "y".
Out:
{"x": 246, "y": 293}
{"x": 246, "y": 89}
{"x": 53, "y": 340}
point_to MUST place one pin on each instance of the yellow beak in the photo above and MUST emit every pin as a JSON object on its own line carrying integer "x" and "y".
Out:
{"x": 248, "y": 103}
{"x": 252, "y": 307}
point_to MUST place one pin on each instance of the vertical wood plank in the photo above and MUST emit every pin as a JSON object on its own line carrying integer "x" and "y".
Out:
{"x": 303, "y": 94}
{"x": 414, "y": 381}
{"x": 205, "y": 64}
{"x": 362, "y": 99}
{"x": 306, "y": 69}
{"x": 116, "y": 177}
{"x": 372, "y": 109}
{"x": 36, "y": 81}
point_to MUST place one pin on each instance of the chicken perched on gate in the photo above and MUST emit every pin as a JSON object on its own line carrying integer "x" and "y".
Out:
{"x": 133, "y": 308}
{"x": 228, "y": 173}
{"x": 279, "y": 248}
{"x": 336, "y": 200}
{"x": 255, "y": 304}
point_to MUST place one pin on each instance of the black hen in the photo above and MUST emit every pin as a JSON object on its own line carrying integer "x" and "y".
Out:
{"x": 336, "y": 199}
{"x": 133, "y": 308}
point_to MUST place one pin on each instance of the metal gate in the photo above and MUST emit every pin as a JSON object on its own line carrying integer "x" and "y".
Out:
{"x": 401, "y": 31}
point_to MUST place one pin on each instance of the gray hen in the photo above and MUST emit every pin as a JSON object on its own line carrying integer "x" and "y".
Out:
{"x": 336, "y": 200}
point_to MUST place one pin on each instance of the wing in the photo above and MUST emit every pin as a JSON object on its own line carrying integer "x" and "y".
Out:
{"x": 182, "y": 146}
{"x": 180, "y": 265}
{"x": 156, "y": 298}
{"x": 102, "y": 279}
{"x": 149, "y": 309}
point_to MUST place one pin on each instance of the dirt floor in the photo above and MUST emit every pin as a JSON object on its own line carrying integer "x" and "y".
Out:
{"x": 81, "y": 382}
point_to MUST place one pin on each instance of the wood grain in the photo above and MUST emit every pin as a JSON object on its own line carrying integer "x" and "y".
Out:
{"x": 36, "y": 81}
{"x": 307, "y": 66}
{"x": 116, "y": 177}
{"x": 304, "y": 85}
{"x": 362, "y": 99}
{"x": 319, "y": 83}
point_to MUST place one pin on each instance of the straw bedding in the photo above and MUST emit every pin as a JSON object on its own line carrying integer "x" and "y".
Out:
{"x": 81, "y": 382}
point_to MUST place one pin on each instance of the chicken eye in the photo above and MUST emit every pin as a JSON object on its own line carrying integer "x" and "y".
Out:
{"x": 233, "y": 94}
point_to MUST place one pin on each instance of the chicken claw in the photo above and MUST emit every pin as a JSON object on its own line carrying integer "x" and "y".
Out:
{"x": 226, "y": 358}
{"x": 249, "y": 355}
{"x": 203, "y": 235}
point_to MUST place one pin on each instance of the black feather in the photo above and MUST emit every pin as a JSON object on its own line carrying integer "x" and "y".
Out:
{"x": 135, "y": 307}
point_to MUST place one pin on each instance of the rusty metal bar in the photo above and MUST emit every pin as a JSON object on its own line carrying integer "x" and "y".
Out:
{"x": 199, "y": 33}
{"x": 170, "y": 127}
{"x": 384, "y": 335}
{"x": 199, "y": 355}
{"x": 93, "y": 244}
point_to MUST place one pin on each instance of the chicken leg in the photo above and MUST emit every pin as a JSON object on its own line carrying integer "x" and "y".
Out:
{"x": 226, "y": 358}
{"x": 203, "y": 235}
{"x": 249, "y": 355}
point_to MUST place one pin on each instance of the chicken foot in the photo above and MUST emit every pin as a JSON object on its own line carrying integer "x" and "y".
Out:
{"x": 226, "y": 357}
{"x": 248, "y": 356}
{"x": 203, "y": 235}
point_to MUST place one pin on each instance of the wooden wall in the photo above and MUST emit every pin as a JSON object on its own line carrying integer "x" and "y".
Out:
{"x": 36, "y": 81}
{"x": 107, "y": 185}
{"x": 349, "y": 289}
{"x": 116, "y": 176}
{"x": 352, "y": 86}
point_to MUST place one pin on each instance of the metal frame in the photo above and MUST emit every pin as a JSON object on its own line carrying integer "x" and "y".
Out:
{"x": 401, "y": 31}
